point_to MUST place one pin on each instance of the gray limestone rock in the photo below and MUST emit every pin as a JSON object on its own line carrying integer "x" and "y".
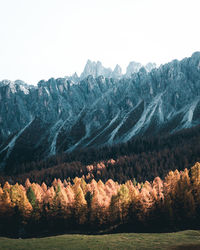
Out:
{"x": 66, "y": 114}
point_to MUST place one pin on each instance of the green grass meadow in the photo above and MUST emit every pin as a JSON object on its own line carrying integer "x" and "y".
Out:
{"x": 180, "y": 240}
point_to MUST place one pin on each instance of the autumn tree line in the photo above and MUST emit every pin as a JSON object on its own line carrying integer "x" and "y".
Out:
{"x": 93, "y": 206}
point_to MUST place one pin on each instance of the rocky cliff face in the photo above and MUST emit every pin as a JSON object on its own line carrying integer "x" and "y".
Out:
{"x": 96, "y": 69}
{"x": 66, "y": 114}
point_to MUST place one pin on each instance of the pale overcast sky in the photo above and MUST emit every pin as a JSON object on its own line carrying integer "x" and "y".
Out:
{"x": 40, "y": 39}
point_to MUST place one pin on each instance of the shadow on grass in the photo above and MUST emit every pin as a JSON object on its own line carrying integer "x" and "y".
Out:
{"x": 187, "y": 247}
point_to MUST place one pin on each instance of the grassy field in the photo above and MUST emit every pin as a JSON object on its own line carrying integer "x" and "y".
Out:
{"x": 180, "y": 240}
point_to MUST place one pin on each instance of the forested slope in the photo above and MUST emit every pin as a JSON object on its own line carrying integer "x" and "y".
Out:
{"x": 142, "y": 159}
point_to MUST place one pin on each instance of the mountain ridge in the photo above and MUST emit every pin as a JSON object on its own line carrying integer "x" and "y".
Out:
{"x": 59, "y": 115}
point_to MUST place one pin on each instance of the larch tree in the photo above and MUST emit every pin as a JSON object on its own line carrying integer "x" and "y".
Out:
{"x": 6, "y": 206}
{"x": 123, "y": 201}
{"x": 31, "y": 196}
{"x": 19, "y": 199}
{"x": 195, "y": 179}
{"x": 80, "y": 205}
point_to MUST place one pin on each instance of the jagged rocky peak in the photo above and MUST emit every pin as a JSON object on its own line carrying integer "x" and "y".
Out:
{"x": 95, "y": 69}
{"x": 99, "y": 68}
{"x": 196, "y": 59}
{"x": 22, "y": 86}
{"x": 74, "y": 79}
{"x": 117, "y": 72}
{"x": 149, "y": 66}
{"x": 48, "y": 87}
{"x": 41, "y": 83}
{"x": 143, "y": 70}
{"x": 196, "y": 54}
{"x": 89, "y": 69}
{"x": 16, "y": 86}
{"x": 100, "y": 110}
{"x": 8, "y": 83}
{"x": 102, "y": 71}
{"x": 75, "y": 76}
{"x": 132, "y": 68}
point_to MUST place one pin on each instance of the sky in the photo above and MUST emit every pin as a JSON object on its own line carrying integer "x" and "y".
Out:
{"x": 40, "y": 39}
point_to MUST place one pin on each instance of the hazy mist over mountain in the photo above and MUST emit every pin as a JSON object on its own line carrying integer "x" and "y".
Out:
{"x": 48, "y": 38}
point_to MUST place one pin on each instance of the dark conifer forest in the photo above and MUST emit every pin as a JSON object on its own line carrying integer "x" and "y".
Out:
{"x": 143, "y": 158}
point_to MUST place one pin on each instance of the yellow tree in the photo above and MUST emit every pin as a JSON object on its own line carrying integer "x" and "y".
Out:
{"x": 99, "y": 205}
{"x": 195, "y": 175}
{"x": 1, "y": 192}
{"x": 184, "y": 205}
{"x": 195, "y": 178}
{"x": 19, "y": 199}
{"x": 119, "y": 205}
{"x": 6, "y": 206}
{"x": 158, "y": 187}
{"x": 48, "y": 199}
{"x": 27, "y": 184}
{"x": 6, "y": 186}
{"x": 123, "y": 196}
{"x": 80, "y": 205}
{"x": 44, "y": 187}
{"x": 59, "y": 204}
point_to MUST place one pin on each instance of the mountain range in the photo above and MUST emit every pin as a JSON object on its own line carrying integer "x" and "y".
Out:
{"x": 101, "y": 107}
